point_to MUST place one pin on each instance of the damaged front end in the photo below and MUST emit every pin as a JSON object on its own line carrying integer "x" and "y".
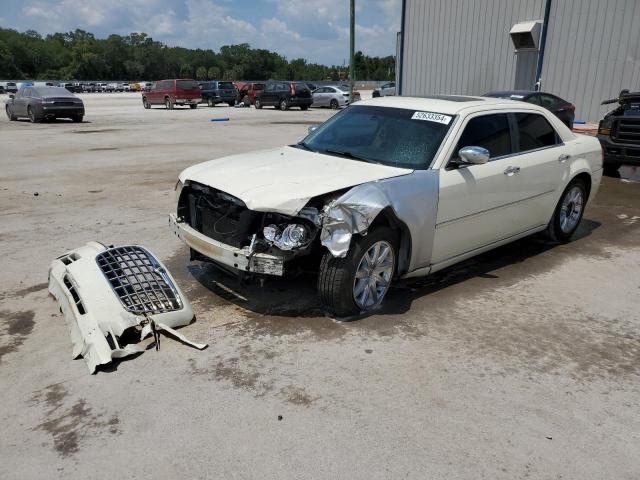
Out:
{"x": 105, "y": 293}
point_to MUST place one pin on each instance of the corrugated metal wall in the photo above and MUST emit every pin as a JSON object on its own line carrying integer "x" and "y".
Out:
{"x": 593, "y": 52}
{"x": 463, "y": 47}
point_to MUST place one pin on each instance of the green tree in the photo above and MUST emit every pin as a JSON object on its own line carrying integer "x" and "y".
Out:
{"x": 201, "y": 73}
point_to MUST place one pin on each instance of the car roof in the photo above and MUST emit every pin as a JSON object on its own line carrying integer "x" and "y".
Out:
{"x": 449, "y": 104}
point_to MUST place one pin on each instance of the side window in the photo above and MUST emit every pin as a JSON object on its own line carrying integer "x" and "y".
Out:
{"x": 488, "y": 131}
{"x": 535, "y": 131}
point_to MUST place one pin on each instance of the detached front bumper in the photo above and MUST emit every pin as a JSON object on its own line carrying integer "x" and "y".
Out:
{"x": 240, "y": 259}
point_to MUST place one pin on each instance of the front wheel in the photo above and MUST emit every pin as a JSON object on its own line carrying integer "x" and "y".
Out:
{"x": 145, "y": 103}
{"x": 284, "y": 104}
{"x": 32, "y": 115}
{"x": 304, "y": 107}
{"x": 210, "y": 103}
{"x": 568, "y": 212}
{"x": 168, "y": 104}
{"x": 334, "y": 104}
{"x": 10, "y": 114}
{"x": 359, "y": 282}
{"x": 231, "y": 104}
{"x": 193, "y": 106}
{"x": 257, "y": 103}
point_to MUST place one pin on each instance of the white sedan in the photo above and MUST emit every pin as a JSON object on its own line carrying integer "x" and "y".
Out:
{"x": 330, "y": 96}
{"x": 390, "y": 188}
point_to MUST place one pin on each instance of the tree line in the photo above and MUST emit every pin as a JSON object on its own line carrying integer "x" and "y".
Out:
{"x": 79, "y": 55}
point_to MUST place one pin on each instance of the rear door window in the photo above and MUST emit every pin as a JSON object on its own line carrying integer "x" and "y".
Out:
{"x": 488, "y": 131}
{"x": 534, "y": 131}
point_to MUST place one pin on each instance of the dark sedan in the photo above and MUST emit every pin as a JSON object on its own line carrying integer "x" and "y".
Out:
{"x": 562, "y": 109}
{"x": 44, "y": 103}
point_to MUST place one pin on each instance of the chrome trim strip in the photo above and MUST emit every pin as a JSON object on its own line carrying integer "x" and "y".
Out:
{"x": 447, "y": 222}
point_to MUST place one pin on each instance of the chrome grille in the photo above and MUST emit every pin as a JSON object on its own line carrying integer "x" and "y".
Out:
{"x": 138, "y": 280}
{"x": 628, "y": 130}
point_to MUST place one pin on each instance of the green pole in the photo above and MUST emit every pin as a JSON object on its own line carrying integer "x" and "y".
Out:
{"x": 352, "y": 67}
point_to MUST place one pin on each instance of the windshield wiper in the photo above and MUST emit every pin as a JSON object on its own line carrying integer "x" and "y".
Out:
{"x": 305, "y": 146}
{"x": 347, "y": 155}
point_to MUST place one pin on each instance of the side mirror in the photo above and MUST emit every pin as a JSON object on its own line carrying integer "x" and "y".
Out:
{"x": 312, "y": 128}
{"x": 474, "y": 155}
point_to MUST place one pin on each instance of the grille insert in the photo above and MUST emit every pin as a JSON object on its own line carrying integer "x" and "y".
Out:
{"x": 628, "y": 130}
{"x": 138, "y": 280}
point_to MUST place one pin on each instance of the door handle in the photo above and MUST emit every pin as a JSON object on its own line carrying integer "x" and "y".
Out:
{"x": 511, "y": 171}
{"x": 564, "y": 157}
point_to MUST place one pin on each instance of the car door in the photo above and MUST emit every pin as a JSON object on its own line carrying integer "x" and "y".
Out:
{"x": 267, "y": 94}
{"x": 543, "y": 160}
{"x": 324, "y": 97}
{"x": 477, "y": 203}
{"x": 152, "y": 94}
{"x": 18, "y": 103}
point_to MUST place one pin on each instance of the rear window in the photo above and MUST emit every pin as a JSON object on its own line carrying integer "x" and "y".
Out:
{"x": 186, "y": 85}
{"x": 535, "y": 132}
{"x": 52, "y": 92}
{"x": 301, "y": 87}
{"x": 225, "y": 86}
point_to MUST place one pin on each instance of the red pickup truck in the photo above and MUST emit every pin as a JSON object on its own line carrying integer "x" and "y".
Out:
{"x": 173, "y": 92}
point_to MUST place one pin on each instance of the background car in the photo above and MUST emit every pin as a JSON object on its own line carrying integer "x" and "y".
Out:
{"x": 619, "y": 132}
{"x": 247, "y": 92}
{"x": 8, "y": 87}
{"x": 169, "y": 93}
{"x": 386, "y": 90}
{"x": 44, "y": 103}
{"x": 330, "y": 96}
{"x": 283, "y": 95}
{"x": 215, "y": 92}
{"x": 562, "y": 109}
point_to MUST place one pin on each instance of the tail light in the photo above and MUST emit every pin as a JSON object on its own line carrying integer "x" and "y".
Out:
{"x": 292, "y": 90}
{"x": 571, "y": 107}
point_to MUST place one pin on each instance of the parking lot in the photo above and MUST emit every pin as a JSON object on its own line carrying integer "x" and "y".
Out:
{"x": 521, "y": 363}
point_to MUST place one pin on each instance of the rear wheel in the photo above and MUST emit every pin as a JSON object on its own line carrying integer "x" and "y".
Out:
{"x": 145, "y": 103}
{"x": 257, "y": 103}
{"x": 193, "y": 106}
{"x": 168, "y": 103}
{"x": 568, "y": 213}
{"x": 231, "y": 104}
{"x": 77, "y": 118}
{"x": 334, "y": 104}
{"x": 10, "y": 114}
{"x": 210, "y": 103}
{"x": 375, "y": 94}
{"x": 359, "y": 282}
{"x": 304, "y": 107}
{"x": 284, "y": 104}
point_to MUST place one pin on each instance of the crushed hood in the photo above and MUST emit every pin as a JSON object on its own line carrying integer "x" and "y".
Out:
{"x": 284, "y": 179}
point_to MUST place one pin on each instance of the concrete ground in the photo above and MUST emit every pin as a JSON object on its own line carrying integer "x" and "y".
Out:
{"x": 522, "y": 363}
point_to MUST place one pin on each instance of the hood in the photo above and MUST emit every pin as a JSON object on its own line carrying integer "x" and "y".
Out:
{"x": 284, "y": 179}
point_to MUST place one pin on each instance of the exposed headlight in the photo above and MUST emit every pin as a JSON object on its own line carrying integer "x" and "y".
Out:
{"x": 178, "y": 190}
{"x": 293, "y": 236}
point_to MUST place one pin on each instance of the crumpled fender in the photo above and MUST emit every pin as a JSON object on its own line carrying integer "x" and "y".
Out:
{"x": 413, "y": 199}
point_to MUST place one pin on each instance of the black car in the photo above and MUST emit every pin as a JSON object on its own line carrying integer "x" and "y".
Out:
{"x": 215, "y": 92}
{"x": 619, "y": 132}
{"x": 284, "y": 94}
{"x": 565, "y": 111}
{"x": 44, "y": 103}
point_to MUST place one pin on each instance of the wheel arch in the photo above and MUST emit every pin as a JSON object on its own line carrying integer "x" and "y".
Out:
{"x": 387, "y": 217}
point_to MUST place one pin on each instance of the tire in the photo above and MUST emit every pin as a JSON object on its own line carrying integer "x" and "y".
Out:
{"x": 231, "y": 104}
{"x": 246, "y": 101}
{"x": 304, "y": 107}
{"x": 257, "y": 103}
{"x": 32, "y": 116}
{"x": 337, "y": 282}
{"x": 10, "y": 115}
{"x": 193, "y": 106}
{"x": 77, "y": 118}
{"x": 145, "y": 103}
{"x": 283, "y": 105}
{"x": 210, "y": 103}
{"x": 168, "y": 103}
{"x": 334, "y": 104}
{"x": 568, "y": 213}
{"x": 375, "y": 94}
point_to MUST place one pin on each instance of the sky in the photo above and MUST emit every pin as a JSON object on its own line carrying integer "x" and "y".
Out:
{"x": 315, "y": 30}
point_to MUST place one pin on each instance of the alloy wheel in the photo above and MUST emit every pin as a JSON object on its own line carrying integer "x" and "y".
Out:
{"x": 571, "y": 209}
{"x": 373, "y": 275}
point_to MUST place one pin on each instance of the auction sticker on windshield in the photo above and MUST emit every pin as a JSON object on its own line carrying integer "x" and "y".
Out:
{"x": 432, "y": 117}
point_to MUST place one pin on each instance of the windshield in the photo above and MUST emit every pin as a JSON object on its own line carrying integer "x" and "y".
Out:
{"x": 186, "y": 85}
{"x": 390, "y": 136}
{"x": 225, "y": 86}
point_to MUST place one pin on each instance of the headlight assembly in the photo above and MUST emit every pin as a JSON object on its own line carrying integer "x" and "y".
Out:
{"x": 292, "y": 236}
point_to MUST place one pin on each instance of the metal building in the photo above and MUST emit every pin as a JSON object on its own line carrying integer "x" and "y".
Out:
{"x": 584, "y": 51}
